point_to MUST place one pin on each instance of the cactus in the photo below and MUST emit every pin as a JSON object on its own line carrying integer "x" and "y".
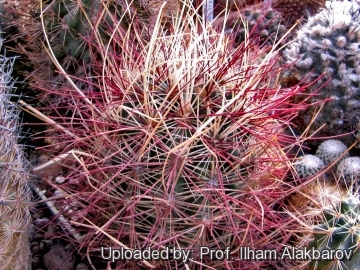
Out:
{"x": 339, "y": 230}
{"x": 331, "y": 150}
{"x": 293, "y": 10}
{"x": 280, "y": 16}
{"x": 181, "y": 146}
{"x": 14, "y": 190}
{"x": 308, "y": 165}
{"x": 326, "y": 50}
{"x": 349, "y": 170}
{"x": 270, "y": 28}
{"x": 265, "y": 22}
{"x": 65, "y": 27}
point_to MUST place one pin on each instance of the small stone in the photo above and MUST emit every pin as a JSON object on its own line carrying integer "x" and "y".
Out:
{"x": 81, "y": 266}
{"x": 43, "y": 159}
{"x": 35, "y": 249}
{"x": 41, "y": 222}
{"x": 59, "y": 258}
{"x": 58, "y": 193}
{"x": 36, "y": 261}
{"x": 59, "y": 179}
{"x": 38, "y": 236}
{"x": 69, "y": 248}
{"x": 45, "y": 245}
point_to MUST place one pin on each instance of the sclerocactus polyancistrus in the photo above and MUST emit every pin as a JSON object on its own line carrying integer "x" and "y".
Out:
{"x": 330, "y": 150}
{"x": 327, "y": 48}
{"x": 169, "y": 147}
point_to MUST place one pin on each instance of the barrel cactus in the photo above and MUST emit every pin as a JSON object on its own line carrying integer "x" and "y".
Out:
{"x": 181, "y": 146}
{"x": 326, "y": 51}
{"x": 338, "y": 234}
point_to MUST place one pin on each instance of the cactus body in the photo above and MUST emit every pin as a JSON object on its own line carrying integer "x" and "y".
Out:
{"x": 339, "y": 230}
{"x": 266, "y": 22}
{"x": 330, "y": 150}
{"x": 308, "y": 165}
{"x": 181, "y": 148}
{"x": 14, "y": 190}
{"x": 327, "y": 49}
{"x": 349, "y": 170}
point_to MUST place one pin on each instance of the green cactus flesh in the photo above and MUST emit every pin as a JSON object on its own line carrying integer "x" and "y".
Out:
{"x": 340, "y": 230}
{"x": 70, "y": 24}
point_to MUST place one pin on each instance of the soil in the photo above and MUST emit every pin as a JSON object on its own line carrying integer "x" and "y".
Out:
{"x": 49, "y": 253}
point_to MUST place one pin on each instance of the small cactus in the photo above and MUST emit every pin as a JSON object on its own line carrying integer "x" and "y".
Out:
{"x": 266, "y": 22}
{"x": 339, "y": 230}
{"x": 308, "y": 165}
{"x": 330, "y": 150}
{"x": 349, "y": 170}
{"x": 326, "y": 51}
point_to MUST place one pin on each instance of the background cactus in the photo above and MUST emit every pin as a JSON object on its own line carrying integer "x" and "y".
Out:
{"x": 308, "y": 165}
{"x": 180, "y": 146}
{"x": 66, "y": 25}
{"x": 327, "y": 49}
{"x": 14, "y": 185}
{"x": 261, "y": 18}
{"x": 349, "y": 170}
{"x": 339, "y": 229}
{"x": 64, "y": 28}
{"x": 331, "y": 150}
{"x": 267, "y": 23}
{"x": 327, "y": 208}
